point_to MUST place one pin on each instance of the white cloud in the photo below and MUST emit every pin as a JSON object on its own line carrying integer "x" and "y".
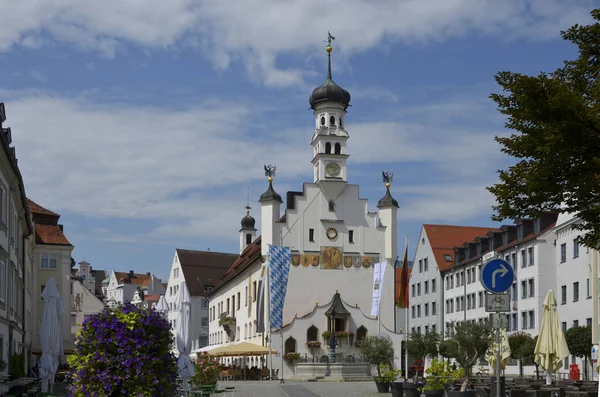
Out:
{"x": 187, "y": 170}
{"x": 257, "y": 33}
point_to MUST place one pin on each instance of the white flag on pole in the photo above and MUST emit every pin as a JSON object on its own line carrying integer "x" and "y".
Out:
{"x": 378, "y": 274}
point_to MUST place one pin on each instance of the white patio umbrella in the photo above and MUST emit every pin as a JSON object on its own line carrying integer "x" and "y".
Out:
{"x": 50, "y": 334}
{"x": 551, "y": 347}
{"x": 162, "y": 305}
{"x": 184, "y": 342}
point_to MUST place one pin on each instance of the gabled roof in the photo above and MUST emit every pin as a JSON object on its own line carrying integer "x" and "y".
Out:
{"x": 47, "y": 229}
{"x": 133, "y": 278}
{"x": 443, "y": 239}
{"x": 37, "y": 209}
{"x": 202, "y": 268}
{"x": 251, "y": 253}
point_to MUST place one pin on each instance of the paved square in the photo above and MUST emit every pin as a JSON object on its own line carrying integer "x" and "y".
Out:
{"x": 303, "y": 389}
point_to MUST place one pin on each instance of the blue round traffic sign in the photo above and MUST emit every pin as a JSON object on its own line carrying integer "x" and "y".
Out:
{"x": 497, "y": 276}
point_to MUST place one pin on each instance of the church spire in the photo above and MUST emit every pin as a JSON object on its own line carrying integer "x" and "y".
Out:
{"x": 329, "y": 91}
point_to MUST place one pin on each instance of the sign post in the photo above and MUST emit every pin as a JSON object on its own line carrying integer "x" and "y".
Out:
{"x": 497, "y": 277}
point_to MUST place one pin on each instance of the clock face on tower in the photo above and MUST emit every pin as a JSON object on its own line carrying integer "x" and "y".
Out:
{"x": 333, "y": 169}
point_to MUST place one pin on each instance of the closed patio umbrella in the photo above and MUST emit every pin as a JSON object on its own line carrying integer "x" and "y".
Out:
{"x": 505, "y": 351}
{"x": 551, "y": 347}
{"x": 50, "y": 334}
{"x": 184, "y": 341}
{"x": 162, "y": 305}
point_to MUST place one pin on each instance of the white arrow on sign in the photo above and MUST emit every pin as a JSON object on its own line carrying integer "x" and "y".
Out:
{"x": 502, "y": 272}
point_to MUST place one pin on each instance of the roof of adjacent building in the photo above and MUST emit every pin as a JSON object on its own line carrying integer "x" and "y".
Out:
{"x": 141, "y": 279}
{"x": 443, "y": 239}
{"x": 152, "y": 298}
{"x": 202, "y": 268}
{"x": 47, "y": 229}
{"x": 251, "y": 253}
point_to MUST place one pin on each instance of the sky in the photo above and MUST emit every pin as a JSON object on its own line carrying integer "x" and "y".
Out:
{"x": 146, "y": 123}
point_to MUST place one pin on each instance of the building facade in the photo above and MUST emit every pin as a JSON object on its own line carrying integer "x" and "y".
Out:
{"x": 336, "y": 240}
{"x": 121, "y": 287}
{"x": 528, "y": 247}
{"x": 51, "y": 252}
{"x": 17, "y": 293}
{"x": 201, "y": 271}
{"x": 434, "y": 255}
{"x": 85, "y": 303}
{"x": 573, "y": 288}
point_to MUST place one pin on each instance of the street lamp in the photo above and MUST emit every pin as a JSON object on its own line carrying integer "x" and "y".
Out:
{"x": 332, "y": 339}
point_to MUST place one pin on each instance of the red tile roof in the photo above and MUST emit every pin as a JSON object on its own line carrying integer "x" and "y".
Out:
{"x": 37, "y": 209}
{"x": 443, "y": 239}
{"x": 251, "y": 253}
{"x": 50, "y": 234}
{"x": 136, "y": 278}
{"x": 152, "y": 298}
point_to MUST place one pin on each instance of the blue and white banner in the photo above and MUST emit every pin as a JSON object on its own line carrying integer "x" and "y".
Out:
{"x": 280, "y": 259}
{"x": 378, "y": 273}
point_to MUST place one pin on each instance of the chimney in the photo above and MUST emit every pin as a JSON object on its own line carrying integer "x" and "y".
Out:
{"x": 130, "y": 276}
{"x": 148, "y": 274}
{"x": 61, "y": 228}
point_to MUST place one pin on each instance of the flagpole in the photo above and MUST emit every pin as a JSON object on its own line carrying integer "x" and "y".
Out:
{"x": 405, "y": 303}
{"x": 281, "y": 331}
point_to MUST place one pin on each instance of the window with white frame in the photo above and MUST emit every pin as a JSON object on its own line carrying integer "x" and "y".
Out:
{"x": 3, "y": 204}
{"x": 48, "y": 261}
{"x": 530, "y": 254}
{"x": 563, "y": 252}
{"x": 176, "y": 272}
{"x": 204, "y": 304}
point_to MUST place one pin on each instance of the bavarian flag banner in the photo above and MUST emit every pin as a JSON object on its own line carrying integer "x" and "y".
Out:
{"x": 280, "y": 259}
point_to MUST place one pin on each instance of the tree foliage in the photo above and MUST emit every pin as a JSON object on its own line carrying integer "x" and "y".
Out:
{"x": 421, "y": 346}
{"x": 522, "y": 347}
{"x": 555, "y": 118}
{"x": 468, "y": 344}
{"x": 378, "y": 350}
{"x": 579, "y": 340}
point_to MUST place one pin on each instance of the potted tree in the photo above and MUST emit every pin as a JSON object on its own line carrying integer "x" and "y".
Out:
{"x": 467, "y": 345}
{"x": 439, "y": 376}
{"x": 420, "y": 346}
{"x": 379, "y": 351}
{"x": 522, "y": 347}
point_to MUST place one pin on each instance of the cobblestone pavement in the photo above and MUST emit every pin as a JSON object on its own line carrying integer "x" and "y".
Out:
{"x": 303, "y": 389}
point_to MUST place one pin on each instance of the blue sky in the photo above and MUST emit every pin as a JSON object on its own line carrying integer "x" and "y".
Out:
{"x": 143, "y": 123}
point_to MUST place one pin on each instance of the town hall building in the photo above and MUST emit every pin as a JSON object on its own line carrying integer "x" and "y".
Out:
{"x": 335, "y": 239}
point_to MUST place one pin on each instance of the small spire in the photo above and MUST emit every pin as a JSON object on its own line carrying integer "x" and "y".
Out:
{"x": 387, "y": 200}
{"x": 329, "y": 49}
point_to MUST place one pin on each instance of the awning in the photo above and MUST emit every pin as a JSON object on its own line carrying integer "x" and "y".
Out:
{"x": 241, "y": 349}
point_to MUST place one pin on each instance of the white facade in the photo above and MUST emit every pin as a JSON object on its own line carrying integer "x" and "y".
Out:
{"x": 122, "y": 286}
{"x": 335, "y": 240}
{"x": 85, "y": 303}
{"x": 198, "y": 285}
{"x": 573, "y": 288}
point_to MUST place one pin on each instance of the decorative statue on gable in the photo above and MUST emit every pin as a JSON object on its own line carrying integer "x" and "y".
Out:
{"x": 270, "y": 170}
{"x": 78, "y": 302}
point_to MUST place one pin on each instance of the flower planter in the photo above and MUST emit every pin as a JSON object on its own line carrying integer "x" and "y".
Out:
{"x": 383, "y": 387}
{"x": 458, "y": 393}
{"x": 434, "y": 393}
{"x": 412, "y": 389}
{"x": 397, "y": 389}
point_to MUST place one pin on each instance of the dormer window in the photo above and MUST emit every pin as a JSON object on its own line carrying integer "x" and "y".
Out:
{"x": 332, "y": 120}
{"x": 328, "y": 148}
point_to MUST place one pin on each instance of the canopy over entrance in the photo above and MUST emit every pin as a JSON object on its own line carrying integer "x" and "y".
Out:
{"x": 337, "y": 307}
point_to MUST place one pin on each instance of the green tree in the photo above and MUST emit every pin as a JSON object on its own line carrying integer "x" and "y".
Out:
{"x": 522, "y": 346}
{"x": 555, "y": 119}
{"x": 421, "y": 346}
{"x": 379, "y": 351}
{"x": 579, "y": 340}
{"x": 468, "y": 344}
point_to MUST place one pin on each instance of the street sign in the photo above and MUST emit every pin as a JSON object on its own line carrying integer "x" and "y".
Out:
{"x": 497, "y": 276}
{"x": 497, "y": 303}
{"x": 498, "y": 320}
